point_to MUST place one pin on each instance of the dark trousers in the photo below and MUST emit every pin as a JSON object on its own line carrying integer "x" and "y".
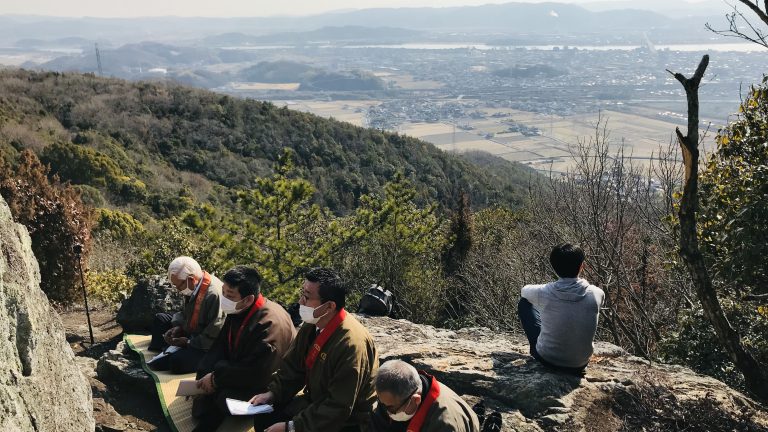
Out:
{"x": 211, "y": 410}
{"x": 183, "y": 361}
{"x": 531, "y": 322}
{"x": 160, "y": 325}
{"x": 286, "y": 413}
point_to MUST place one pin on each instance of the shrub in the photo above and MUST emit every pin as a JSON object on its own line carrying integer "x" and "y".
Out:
{"x": 56, "y": 220}
{"x": 109, "y": 287}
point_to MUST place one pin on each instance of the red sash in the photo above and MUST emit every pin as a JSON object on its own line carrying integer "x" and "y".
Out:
{"x": 421, "y": 414}
{"x": 198, "y": 301}
{"x": 322, "y": 338}
{"x": 254, "y": 307}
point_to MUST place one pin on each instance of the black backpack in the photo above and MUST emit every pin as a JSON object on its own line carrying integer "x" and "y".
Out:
{"x": 376, "y": 302}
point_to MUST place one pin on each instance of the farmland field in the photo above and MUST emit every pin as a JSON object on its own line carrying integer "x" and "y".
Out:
{"x": 641, "y": 131}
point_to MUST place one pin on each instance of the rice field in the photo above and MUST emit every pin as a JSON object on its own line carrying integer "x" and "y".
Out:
{"x": 641, "y": 135}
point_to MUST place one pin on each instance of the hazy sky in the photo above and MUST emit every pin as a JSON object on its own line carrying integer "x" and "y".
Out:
{"x": 223, "y": 8}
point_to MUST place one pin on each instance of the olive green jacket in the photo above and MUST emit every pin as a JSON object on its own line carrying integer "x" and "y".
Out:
{"x": 340, "y": 384}
{"x": 449, "y": 413}
{"x": 209, "y": 320}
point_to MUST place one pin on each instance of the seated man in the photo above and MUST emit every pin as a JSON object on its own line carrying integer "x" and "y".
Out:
{"x": 194, "y": 328}
{"x": 334, "y": 360}
{"x": 416, "y": 402}
{"x": 560, "y": 318}
{"x": 255, "y": 336}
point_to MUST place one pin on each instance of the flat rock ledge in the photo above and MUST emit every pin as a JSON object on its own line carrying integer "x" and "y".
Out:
{"x": 618, "y": 391}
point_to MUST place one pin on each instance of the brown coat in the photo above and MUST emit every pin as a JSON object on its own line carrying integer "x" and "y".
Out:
{"x": 340, "y": 385}
{"x": 449, "y": 413}
{"x": 250, "y": 363}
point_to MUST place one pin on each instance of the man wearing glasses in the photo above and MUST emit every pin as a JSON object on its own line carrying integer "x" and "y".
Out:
{"x": 416, "y": 402}
{"x": 187, "y": 335}
{"x": 333, "y": 358}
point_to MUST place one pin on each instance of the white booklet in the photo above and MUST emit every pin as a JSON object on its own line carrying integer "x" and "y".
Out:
{"x": 238, "y": 407}
{"x": 188, "y": 388}
{"x": 170, "y": 350}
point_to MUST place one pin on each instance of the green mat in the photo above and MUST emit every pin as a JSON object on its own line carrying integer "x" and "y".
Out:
{"x": 177, "y": 410}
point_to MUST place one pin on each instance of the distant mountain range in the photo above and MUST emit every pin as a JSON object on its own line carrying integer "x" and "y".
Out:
{"x": 356, "y": 34}
{"x": 510, "y": 18}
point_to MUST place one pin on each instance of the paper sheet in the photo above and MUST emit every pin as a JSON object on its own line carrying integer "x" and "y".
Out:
{"x": 238, "y": 407}
{"x": 188, "y": 388}
{"x": 170, "y": 350}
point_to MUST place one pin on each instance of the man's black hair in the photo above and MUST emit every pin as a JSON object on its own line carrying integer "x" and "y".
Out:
{"x": 566, "y": 260}
{"x": 331, "y": 287}
{"x": 246, "y": 280}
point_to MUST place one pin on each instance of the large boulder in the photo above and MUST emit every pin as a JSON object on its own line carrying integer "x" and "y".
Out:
{"x": 149, "y": 297}
{"x": 41, "y": 386}
{"x": 618, "y": 391}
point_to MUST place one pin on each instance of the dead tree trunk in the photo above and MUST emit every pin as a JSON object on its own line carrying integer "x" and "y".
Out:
{"x": 754, "y": 377}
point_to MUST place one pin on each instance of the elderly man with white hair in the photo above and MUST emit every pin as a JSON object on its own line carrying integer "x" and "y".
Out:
{"x": 416, "y": 402}
{"x": 193, "y": 329}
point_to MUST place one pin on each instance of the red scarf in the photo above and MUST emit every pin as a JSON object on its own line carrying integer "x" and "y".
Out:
{"x": 322, "y": 338}
{"x": 421, "y": 414}
{"x": 254, "y": 307}
{"x": 198, "y": 301}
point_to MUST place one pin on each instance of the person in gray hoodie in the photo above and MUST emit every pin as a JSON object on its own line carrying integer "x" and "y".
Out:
{"x": 560, "y": 318}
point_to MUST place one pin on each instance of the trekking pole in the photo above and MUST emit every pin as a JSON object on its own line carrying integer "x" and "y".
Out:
{"x": 78, "y": 248}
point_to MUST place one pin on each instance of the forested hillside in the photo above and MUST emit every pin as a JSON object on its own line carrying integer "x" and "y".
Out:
{"x": 143, "y": 144}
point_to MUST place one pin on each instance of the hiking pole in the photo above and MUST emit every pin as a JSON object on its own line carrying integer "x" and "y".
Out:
{"x": 78, "y": 248}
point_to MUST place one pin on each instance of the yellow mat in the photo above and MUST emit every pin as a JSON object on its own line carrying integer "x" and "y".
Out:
{"x": 178, "y": 410}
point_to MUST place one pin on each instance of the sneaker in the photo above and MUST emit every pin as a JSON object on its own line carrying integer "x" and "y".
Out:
{"x": 479, "y": 409}
{"x": 493, "y": 423}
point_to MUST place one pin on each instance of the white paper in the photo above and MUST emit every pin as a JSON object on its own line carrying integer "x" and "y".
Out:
{"x": 238, "y": 407}
{"x": 188, "y": 388}
{"x": 170, "y": 350}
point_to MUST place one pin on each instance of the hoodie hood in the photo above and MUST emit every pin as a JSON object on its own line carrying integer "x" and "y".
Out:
{"x": 570, "y": 289}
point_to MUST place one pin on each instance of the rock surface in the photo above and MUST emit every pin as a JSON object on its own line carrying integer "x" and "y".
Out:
{"x": 149, "y": 297}
{"x": 122, "y": 367}
{"x": 41, "y": 386}
{"x": 618, "y": 391}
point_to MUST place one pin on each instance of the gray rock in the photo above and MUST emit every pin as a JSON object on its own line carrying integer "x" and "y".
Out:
{"x": 121, "y": 367}
{"x": 149, "y": 297}
{"x": 495, "y": 366}
{"x": 41, "y": 386}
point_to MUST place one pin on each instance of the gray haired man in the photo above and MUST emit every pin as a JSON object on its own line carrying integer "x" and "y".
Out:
{"x": 414, "y": 401}
{"x": 192, "y": 330}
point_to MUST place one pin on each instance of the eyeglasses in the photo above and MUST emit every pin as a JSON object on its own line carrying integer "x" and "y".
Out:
{"x": 405, "y": 402}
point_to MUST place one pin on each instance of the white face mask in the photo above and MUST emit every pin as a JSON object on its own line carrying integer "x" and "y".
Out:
{"x": 307, "y": 314}
{"x": 401, "y": 416}
{"x": 187, "y": 292}
{"x": 228, "y": 306}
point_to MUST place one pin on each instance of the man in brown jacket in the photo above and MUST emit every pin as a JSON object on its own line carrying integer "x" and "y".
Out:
{"x": 193, "y": 329}
{"x": 334, "y": 360}
{"x": 416, "y": 402}
{"x": 255, "y": 336}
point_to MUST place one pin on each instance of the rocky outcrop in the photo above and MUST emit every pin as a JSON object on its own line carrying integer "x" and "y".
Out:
{"x": 41, "y": 386}
{"x": 618, "y": 391}
{"x": 149, "y": 297}
{"x": 122, "y": 367}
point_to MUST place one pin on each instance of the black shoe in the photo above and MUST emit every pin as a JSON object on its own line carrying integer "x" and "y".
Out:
{"x": 479, "y": 409}
{"x": 493, "y": 423}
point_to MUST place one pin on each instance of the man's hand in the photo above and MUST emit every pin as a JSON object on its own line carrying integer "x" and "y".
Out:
{"x": 206, "y": 383}
{"x": 277, "y": 427}
{"x": 172, "y": 333}
{"x": 262, "y": 398}
{"x": 180, "y": 342}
